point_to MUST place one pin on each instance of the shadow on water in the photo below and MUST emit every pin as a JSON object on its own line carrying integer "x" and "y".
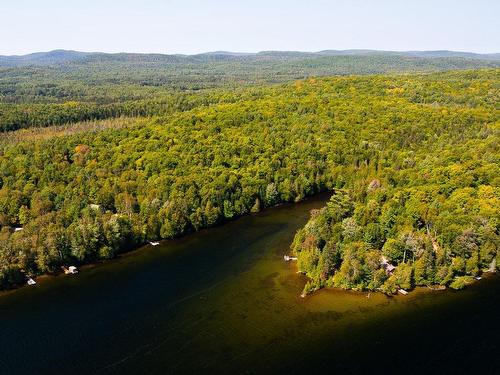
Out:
{"x": 224, "y": 301}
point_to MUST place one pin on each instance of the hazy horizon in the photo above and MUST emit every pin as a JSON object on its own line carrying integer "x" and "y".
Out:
{"x": 195, "y": 26}
{"x": 248, "y": 52}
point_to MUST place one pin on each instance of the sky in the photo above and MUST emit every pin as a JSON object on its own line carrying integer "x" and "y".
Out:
{"x": 195, "y": 26}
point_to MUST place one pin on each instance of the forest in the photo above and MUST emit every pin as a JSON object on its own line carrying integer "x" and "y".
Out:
{"x": 412, "y": 161}
{"x": 62, "y": 87}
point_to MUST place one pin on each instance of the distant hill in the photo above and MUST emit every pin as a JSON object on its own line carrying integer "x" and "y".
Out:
{"x": 471, "y": 55}
{"x": 58, "y": 57}
{"x": 423, "y": 54}
{"x": 104, "y": 78}
{"x": 44, "y": 58}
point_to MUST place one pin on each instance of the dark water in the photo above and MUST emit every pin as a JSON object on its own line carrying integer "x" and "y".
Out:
{"x": 224, "y": 301}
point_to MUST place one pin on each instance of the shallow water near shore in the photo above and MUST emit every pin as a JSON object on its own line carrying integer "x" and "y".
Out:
{"x": 224, "y": 301}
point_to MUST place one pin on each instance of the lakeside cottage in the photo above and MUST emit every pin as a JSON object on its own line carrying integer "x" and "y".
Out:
{"x": 388, "y": 267}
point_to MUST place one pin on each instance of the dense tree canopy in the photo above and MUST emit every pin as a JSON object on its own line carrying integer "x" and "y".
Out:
{"x": 412, "y": 161}
{"x": 85, "y": 87}
{"x": 430, "y": 206}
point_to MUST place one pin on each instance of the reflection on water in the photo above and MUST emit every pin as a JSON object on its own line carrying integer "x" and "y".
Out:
{"x": 224, "y": 301}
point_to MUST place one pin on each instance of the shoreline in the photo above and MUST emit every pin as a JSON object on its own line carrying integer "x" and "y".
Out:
{"x": 418, "y": 288}
{"x": 485, "y": 274}
{"x": 145, "y": 246}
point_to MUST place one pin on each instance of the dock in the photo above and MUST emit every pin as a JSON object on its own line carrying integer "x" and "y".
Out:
{"x": 71, "y": 270}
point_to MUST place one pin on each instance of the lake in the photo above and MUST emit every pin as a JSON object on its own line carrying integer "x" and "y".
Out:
{"x": 223, "y": 301}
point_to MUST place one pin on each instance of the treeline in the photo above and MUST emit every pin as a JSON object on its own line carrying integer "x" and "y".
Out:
{"x": 21, "y": 116}
{"x": 87, "y": 196}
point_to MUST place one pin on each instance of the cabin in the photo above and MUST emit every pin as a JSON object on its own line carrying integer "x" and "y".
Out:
{"x": 388, "y": 267}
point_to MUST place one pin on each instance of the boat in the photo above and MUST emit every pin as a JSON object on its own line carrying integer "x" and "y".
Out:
{"x": 31, "y": 281}
{"x": 289, "y": 258}
{"x": 153, "y": 243}
{"x": 478, "y": 277}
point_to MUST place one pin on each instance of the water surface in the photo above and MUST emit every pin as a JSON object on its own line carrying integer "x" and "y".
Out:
{"x": 224, "y": 301}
